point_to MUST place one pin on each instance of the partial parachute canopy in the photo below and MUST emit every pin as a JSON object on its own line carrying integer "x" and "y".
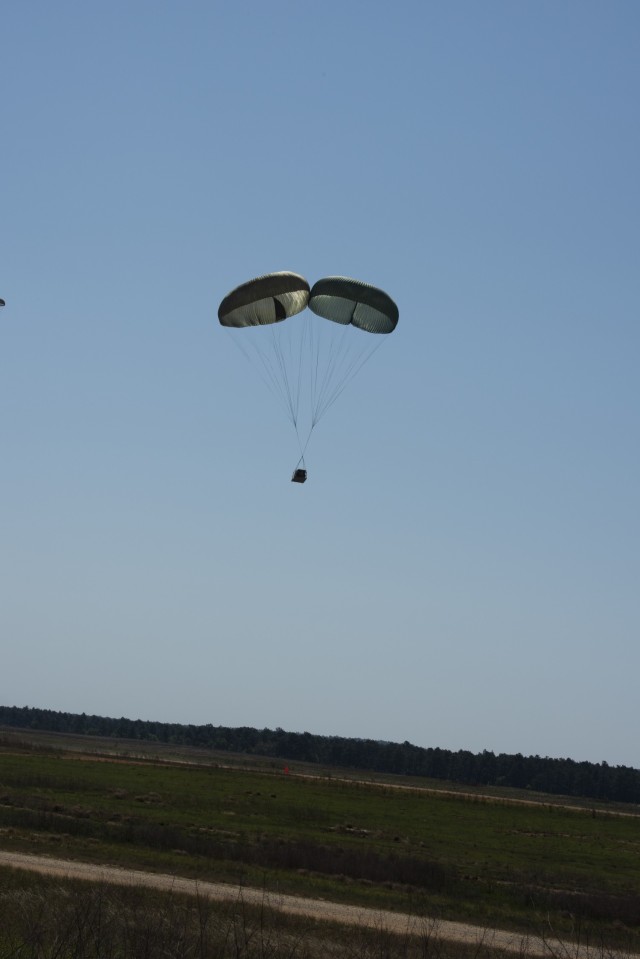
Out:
{"x": 352, "y": 302}
{"x": 265, "y": 300}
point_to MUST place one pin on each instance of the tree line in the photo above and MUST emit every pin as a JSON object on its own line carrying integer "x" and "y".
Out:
{"x": 543, "y": 774}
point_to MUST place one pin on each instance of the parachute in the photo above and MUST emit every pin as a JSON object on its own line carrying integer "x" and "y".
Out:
{"x": 305, "y": 361}
{"x": 265, "y": 300}
{"x": 351, "y": 301}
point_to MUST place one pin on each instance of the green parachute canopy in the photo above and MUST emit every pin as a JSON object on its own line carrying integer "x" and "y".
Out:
{"x": 346, "y": 301}
{"x": 265, "y": 300}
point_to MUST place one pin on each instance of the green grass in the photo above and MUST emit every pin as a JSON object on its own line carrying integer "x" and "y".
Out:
{"x": 446, "y": 855}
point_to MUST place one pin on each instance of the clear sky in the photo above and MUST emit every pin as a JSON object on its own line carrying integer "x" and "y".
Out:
{"x": 462, "y": 567}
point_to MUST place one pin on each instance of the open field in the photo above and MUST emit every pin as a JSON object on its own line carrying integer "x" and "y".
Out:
{"x": 535, "y": 867}
{"x": 132, "y": 750}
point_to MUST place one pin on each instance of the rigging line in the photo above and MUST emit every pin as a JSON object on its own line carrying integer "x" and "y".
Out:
{"x": 277, "y": 347}
{"x": 343, "y": 369}
{"x": 304, "y": 450}
{"x": 352, "y": 368}
{"x": 260, "y": 358}
{"x": 328, "y": 355}
{"x": 288, "y": 369}
{"x": 281, "y": 355}
{"x": 286, "y": 347}
{"x": 256, "y": 359}
{"x": 325, "y": 363}
{"x": 345, "y": 363}
{"x": 354, "y": 371}
{"x": 300, "y": 447}
{"x": 337, "y": 356}
{"x": 337, "y": 360}
{"x": 279, "y": 366}
{"x": 303, "y": 328}
{"x": 313, "y": 357}
{"x": 316, "y": 352}
{"x": 271, "y": 371}
{"x": 284, "y": 352}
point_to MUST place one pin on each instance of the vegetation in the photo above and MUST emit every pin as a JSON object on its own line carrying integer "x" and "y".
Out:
{"x": 41, "y": 918}
{"x": 497, "y": 863}
{"x": 554, "y": 776}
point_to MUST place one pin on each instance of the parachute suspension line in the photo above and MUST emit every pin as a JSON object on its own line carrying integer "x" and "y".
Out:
{"x": 271, "y": 363}
{"x": 303, "y": 447}
{"x": 304, "y": 333}
{"x": 325, "y": 362}
{"x": 333, "y": 362}
{"x": 288, "y": 345}
{"x": 267, "y": 370}
{"x": 345, "y": 357}
{"x": 314, "y": 361}
{"x": 303, "y": 450}
{"x": 257, "y": 359}
{"x": 355, "y": 366}
{"x": 295, "y": 342}
{"x": 315, "y": 356}
{"x": 292, "y": 363}
{"x": 337, "y": 371}
{"x": 306, "y": 340}
{"x": 337, "y": 356}
{"x": 281, "y": 361}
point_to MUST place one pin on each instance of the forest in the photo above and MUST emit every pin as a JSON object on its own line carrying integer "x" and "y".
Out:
{"x": 566, "y": 777}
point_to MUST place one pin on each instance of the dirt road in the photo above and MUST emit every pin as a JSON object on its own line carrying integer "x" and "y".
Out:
{"x": 530, "y": 946}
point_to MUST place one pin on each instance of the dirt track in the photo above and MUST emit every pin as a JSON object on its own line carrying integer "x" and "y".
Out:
{"x": 532, "y": 946}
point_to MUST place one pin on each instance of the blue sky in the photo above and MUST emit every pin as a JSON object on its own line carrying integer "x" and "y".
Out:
{"x": 461, "y": 569}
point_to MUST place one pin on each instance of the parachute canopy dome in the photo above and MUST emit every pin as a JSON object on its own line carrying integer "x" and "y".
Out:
{"x": 347, "y": 301}
{"x": 267, "y": 299}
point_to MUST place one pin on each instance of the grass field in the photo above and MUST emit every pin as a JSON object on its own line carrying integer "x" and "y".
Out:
{"x": 495, "y": 861}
